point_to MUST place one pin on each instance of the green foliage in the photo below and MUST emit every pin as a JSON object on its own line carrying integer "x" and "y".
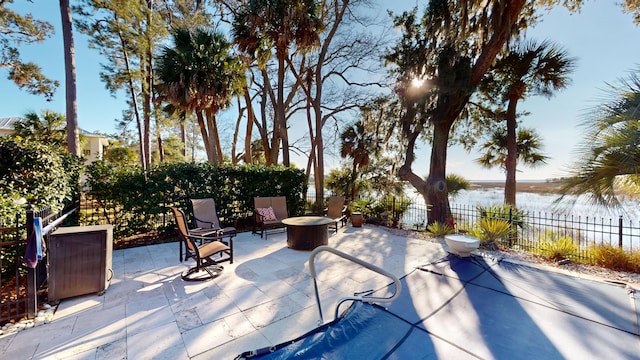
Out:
{"x": 439, "y": 229}
{"x": 172, "y": 148}
{"x": 363, "y": 206}
{"x": 133, "y": 200}
{"x": 610, "y": 146}
{"x": 528, "y": 143}
{"x": 50, "y": 129}
{"x": 118, "y": 154}
{"x": 504, "y": 212}
{"x": 11, "y": 203}
{"x": 455, "y": 183}
{"x": 36, "y": 172}
{"x": 555, "y": 247}
{"x": 615, "y": 258}
{"x": 339, "y": 182}
{"x": 23, "y": 29}
{"x": 490, "y": 230}
{"x": 372, "y": 209}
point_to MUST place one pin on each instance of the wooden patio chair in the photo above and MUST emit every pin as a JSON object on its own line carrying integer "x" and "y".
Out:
{"x": 210, "y": 244}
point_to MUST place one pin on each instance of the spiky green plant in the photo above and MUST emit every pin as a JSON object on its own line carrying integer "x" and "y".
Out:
{"x": 558, "y": 248}
{"x": 506, "y": 213}
{"x": 491, "y": 231}
{"x": 437, "y": 229}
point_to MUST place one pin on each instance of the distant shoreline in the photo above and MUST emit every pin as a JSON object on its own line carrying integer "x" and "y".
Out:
{"x": 538, "y": 187}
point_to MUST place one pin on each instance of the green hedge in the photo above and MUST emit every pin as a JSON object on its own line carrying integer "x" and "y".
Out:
{"x": 40, "y": 175}
{"x": 136, "y": 202}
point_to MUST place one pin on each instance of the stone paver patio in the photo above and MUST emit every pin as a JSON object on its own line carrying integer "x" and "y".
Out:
{"x": 264, "y": 298}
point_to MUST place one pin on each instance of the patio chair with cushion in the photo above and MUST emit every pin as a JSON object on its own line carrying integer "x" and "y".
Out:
{"x": 205, "y": 216}
{"x": 337, "y": 211}
{"x": 202, "y": 246}
{"x": 269, "y": 213}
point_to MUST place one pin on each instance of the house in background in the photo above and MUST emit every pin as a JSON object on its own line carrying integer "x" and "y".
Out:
{"x": 93, "y": 145}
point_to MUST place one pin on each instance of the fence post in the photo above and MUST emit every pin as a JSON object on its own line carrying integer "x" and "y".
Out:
{"x": 511, "y": 227}
{"x": 620, "y": 231}
{"x": 32, "y": 293}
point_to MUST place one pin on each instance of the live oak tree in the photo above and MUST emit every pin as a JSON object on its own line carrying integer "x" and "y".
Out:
{"x": 448, "y": 49}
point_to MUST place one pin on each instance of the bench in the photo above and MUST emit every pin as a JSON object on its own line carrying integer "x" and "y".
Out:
{"x": 268, "y": 213}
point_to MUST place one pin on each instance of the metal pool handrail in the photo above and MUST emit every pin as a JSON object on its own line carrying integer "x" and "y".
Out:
{"x": 363, "y": 298}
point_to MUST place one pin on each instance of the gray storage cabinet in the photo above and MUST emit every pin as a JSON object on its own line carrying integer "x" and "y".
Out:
{"x": 79, "y": 260}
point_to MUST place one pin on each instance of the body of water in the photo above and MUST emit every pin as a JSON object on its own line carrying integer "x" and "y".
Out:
{"x": 546, "y": 203}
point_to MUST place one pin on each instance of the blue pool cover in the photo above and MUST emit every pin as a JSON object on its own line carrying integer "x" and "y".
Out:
{"x": 468, "y": 308}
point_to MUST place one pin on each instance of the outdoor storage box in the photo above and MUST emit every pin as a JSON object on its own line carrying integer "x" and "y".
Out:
{"x": 79, "y": 260}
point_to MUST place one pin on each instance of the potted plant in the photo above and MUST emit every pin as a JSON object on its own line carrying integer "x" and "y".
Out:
{"x": 359, "y": 209}
{"x": 357, "y": 219}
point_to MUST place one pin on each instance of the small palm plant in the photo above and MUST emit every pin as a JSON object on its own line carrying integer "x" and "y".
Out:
{"x": 557, "y": 248}
{"x": 491, "y": 232}
{"x": 437, "y": 229}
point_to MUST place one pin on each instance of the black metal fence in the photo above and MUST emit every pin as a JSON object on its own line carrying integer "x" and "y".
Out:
{"x": 12, "y": 283}
{"x": 535, "y": 226}
{"x": 583, "y": 230}
{"x": 22, "y": 288}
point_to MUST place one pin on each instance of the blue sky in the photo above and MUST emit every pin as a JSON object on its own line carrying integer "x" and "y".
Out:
{"x": 601, "y": 37}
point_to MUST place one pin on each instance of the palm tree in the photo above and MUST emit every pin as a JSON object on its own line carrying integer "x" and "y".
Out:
{"x": 529, "y": 69}
{"x": 48, "y": 129}
{"x": 528, "y": 145}
{"x": 200, "y": 74}
{"x": 358, "y": 145}
{"x": 263, "y": 25}
{"x": 611, "y": 150}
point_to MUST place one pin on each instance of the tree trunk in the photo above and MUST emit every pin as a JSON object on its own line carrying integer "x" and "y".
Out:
{"x": 280, "y": 115}
{"x": 318, "y": 148}
{"x": 146, "y": 114}
{"x": 511, "y": 161}
{"x": 205, "y": 137}
{"x": 134, "y": 101}
{"x": 214, "y": 141}
{"x": 236, "y": 133}
{"x": 248, "y": 159}
{"x": 183, "y": 137}
{"x": 73, "y": 138}
{"x": 437, "y": 194}
{"x": 147, "y": 86}
{"x": 271, "y": 148}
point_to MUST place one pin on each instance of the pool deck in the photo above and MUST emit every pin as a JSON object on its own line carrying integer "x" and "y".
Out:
{"x": 265, "y": 298}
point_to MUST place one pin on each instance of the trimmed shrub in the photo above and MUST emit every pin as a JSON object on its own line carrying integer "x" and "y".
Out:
{"x": 38, "y": 173}
{"x": 135, "y": 202}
